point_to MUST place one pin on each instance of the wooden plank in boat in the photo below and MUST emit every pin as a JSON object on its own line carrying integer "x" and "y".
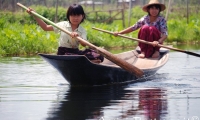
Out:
{"x": 130, "y": 57}
{"x": 146, "y": 63}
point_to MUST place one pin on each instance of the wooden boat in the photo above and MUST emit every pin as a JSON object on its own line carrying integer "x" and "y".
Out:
{"x": 78, "y": 70}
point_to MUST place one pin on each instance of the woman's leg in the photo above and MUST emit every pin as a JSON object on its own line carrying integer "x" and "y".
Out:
{"x": 143, "y": 34}
{"x": 156, "y": 54}
{"x": 150, "y": 34}
{"x": 155, "y": 36}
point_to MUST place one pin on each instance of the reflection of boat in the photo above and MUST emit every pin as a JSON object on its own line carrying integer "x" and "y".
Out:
{"x": 78, "y": 70}
{"x": 109, "y": 102}
{"x": 82, "y": 103}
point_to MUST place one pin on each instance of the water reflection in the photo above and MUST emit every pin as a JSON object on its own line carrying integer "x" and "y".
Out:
{"x": 110, "y": 102}
{"x": 153, "y": 102}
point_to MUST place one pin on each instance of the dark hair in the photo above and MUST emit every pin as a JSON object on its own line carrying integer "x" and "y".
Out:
{"x": 75, "y": 9}
{"x": 154, "y": 5}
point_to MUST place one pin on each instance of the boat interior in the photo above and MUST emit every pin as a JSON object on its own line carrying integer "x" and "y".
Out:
{"x": 142, "y": 63}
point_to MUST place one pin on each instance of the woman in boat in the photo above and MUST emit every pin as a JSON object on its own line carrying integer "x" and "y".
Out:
{"x": 68, "y": 44}
{"x": 153, "y": 28}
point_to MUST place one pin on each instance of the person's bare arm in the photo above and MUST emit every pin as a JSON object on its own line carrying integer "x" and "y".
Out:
{"x": 127, "y": 30}
{"x": 83, "y": 44}
{"x": 41, "y": 23}
{"x": 75, "y": 34}
{"x": 160, "y": 41}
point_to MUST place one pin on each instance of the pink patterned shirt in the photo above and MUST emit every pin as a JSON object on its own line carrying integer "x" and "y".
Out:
{"x": 160, "y": 24}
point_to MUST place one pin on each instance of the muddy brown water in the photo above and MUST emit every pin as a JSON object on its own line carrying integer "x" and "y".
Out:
{"x": 30, "y": 89}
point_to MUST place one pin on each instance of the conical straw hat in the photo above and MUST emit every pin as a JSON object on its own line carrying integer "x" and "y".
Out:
{"x": 153, "y": 2}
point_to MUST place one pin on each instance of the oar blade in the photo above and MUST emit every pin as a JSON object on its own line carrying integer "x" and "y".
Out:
{"x": 123, "y": 64}
{"x": 192, "y": 53}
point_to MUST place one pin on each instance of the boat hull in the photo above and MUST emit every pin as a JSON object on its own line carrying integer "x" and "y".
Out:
{"x": 78, "y": 70}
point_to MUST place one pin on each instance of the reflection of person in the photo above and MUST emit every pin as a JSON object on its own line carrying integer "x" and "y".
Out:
{"x": 152, "y": 103}
{"x": 68, "y": 45}
{"x": 153, "y": 28}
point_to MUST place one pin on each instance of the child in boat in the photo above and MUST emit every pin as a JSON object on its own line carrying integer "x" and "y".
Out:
{"x": 153, "y": 28}
{"x": 68, "y": 44}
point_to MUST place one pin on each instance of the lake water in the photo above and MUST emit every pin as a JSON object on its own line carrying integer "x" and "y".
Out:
{"x": 31, "y": 89}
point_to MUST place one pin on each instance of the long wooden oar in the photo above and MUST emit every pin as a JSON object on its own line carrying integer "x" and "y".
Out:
{"x": 150, "y": 43}
{"x": 120, "y": 62}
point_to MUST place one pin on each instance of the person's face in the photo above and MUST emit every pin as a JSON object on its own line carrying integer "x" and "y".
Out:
{"x": 76, "y": 19}
{"x": 154, "y": 11}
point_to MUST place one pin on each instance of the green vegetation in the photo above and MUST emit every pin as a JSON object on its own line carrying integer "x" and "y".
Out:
{"x": 17, "y": 39}
{"x": 20, "y": 35}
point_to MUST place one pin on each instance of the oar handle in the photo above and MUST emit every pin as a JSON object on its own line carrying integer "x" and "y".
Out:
{"x": 139, "y": 40}
{"x": 150, "y": 43}
{"x": 120, "y": 62}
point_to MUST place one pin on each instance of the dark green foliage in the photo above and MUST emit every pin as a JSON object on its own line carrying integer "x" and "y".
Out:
{"x": 20, "y": 34}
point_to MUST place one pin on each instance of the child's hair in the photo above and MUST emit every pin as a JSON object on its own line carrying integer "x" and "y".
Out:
{"x": 75, "y": 9}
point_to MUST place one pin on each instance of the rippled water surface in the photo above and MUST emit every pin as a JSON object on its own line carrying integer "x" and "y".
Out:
{"x": 30, "y": 89}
